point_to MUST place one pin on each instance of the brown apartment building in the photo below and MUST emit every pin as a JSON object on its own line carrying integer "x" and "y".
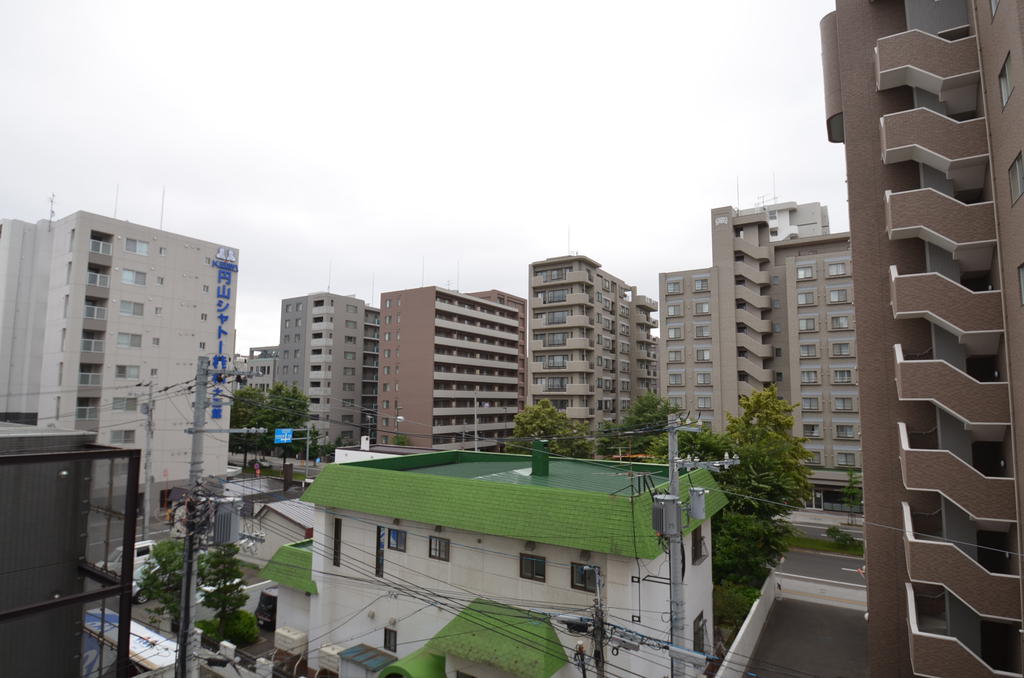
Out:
{"x": 452, "y": 367}
{"x": 591, "y": 349}
{"x": 923, "y": 94}
{"x": 770, "y": 310}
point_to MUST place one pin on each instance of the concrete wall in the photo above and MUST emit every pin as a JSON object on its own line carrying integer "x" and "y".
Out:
{"x": 743, "y": 645}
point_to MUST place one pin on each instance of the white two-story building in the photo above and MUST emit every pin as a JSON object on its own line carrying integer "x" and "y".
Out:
{"x": 476, "y": 564}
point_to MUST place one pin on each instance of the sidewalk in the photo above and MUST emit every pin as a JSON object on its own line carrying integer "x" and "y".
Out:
{"x": 824, "y": 518}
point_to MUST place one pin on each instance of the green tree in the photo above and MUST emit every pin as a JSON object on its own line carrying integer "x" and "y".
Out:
{"x": 567, "y": 438}
{"x": 852, "y": 493}
{"x": 281, "y": 406}
{"x": 220, "y": 574}
{"x": 401, "y": 439}
{"x": 649, "y": 411}
{"x": 161, "y": 580}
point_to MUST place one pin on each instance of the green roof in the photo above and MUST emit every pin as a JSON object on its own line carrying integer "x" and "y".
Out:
{"x": 590, "y": 505}
{"x": 507, "y": 638}
{"x": 292, "y": 566}
{"x": 420, "y": 664}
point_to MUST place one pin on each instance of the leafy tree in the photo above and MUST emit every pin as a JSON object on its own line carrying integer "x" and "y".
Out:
{"x": 567, "y": 438}
{"x": 281, "y": 406}
{"x": 241, "y": 629}
{"x": 647, "y": 411}
{"x": 732, "y": 603}
{"x": 852, "y": 493}
{"x": 161, "y": 580}
{"x": 220, "y": 574}
{"x": 401, "y": 439}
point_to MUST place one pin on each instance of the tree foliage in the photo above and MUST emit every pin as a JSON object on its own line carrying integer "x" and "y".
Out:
{"x": 649, "y": 411}
{"x": 279, "y": 407}
{"x": 567, "y": 438}
{"x": 220, "y": 573}
{"x": 161, "y": 579}
{"x": 401, "y": 439}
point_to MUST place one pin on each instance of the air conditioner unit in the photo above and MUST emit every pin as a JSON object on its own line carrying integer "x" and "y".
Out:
{"x": 290, "y": 640}
{"x": 330, "y": 658}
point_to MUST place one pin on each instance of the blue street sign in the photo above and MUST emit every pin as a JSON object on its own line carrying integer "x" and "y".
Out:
{"x": 282, "y": 435}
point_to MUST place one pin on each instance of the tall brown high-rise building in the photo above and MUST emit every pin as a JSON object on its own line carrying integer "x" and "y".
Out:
{"x": 452, "y": 367}
{"x": 922, "y": 92}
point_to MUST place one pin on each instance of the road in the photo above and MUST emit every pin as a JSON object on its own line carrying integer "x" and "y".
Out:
{"x": 818, "y": 530}
{"x": 823, "y": 566}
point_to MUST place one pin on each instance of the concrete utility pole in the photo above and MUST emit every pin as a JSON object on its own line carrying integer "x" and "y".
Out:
{"x": 476, "y": 428}
{"x": 186, "y": 653}
{"x": 148, "y": 468}
{"x": 677, "y": 609}
{"x": 599, "y": 638}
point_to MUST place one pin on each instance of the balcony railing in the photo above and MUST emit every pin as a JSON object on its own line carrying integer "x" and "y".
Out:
{"x": 957, "y": 149}
{"x": 941, "y": 220}
{"x": 945, "y": 303}
{"x": 87, "y": 413}
{"x": 100, "y": 247}
{"x": 976, "y": 403}
{"x": 95, "y": 312}
{"x": 97, "y": 279}
{"x": 90, "y": 379}
{"x": 93, "y": 345}
{"x": 946, "y": 68}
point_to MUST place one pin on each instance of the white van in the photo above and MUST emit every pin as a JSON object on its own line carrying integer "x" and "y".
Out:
{"x": 142, "y": 551}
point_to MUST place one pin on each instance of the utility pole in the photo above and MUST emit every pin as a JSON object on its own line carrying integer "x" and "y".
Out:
{"x": 599, "y": 639}
{"x": 186, "y": 664}
{"x": 148, "y": 468}
{"x": 476, "y": 431}
{"x": 677, "y": 609}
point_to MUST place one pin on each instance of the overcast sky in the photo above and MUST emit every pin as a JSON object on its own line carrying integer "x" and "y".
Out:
{"x": 374, "y": 136}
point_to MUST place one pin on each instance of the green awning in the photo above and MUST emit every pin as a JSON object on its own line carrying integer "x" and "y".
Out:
{"x": 292, "y": 566}
{"x": 508, "y": 638}
{"x": 420, "y": 664}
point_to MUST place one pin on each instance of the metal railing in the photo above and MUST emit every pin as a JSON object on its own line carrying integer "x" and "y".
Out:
{"x": 93, "y": 345}
{"x": 99, "y": 247}
{"x": 95, "y": 312}
{"x": 98, "y": 279}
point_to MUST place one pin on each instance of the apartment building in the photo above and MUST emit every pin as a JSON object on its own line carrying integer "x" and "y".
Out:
{"x": 329, "y": 351}
{"x": 591, "y": 349}
{"x": 922, "y": 94}
{"x": 104, "y": 308}
{"x": 500, "y": 527}
{"x": 262, "y": 365}
{"x": 773, "y": 308}
{"x": 452, "y": 367}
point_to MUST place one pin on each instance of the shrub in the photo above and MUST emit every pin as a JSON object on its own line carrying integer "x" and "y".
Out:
{"x": 841, "y": 538}
{"x": 732, "y": 603}
{"x": 241, "y": 629}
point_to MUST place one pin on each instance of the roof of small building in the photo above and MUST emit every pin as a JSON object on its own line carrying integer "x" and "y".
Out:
{"x": 590, "y": 505}
{"x": 292, "y": 565}
{"x": 298, "y": 511}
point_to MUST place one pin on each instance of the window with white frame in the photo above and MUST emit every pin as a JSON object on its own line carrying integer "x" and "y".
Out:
{"x": 702, "y": 331}
{"x": 804, "y": 298}
{"x": 674, "y": 309}
{"x": 1017, "y": 178}
{"x": 136, "y": 246}
{"x": 122, "y": 437}
{"x": 130, "y": 277}
{"x": 812, "y": 430}
{"x": 806, "y": 324}
{"x": 810, "y": 403}
{"x": 1005, "y": 86}
{"x": 845, "y": 431}
{"x": 675, "y": 401}
{"x": 842, "y": 348}
{"x": 846, "y": 459}
{"x": 126, "y": 371}
{"x": 673, "y": 287}
{"x": 842, "y": 404}
{"x": 132, "y": 308}
{"x": 675, "y": 333}
{"x": 703, "y": 355}
{"x": 838, "y": 268}
{"x": 808, "y": 376}
{"x": 840, "y": 322}
{"x": 129, "y": 340}
{"x": 842, "y": 376}
{"x": 703, "y": 402}
{"x": 702, "y": 307}
{"x": 808, "y": 350}
{"x": 704, "y": 378}
{"x": 675, "y": 379}
{"x": 838, "y": 296}
{"x": 675, "y": 356}
{"x": 126, "y": 404}
{"x": 701, "y": 285}
{"x": 804, "y": 272}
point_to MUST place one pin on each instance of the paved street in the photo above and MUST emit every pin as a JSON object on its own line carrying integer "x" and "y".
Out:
{"x": 823, "y": 566}
{"x": 817, "y": 531}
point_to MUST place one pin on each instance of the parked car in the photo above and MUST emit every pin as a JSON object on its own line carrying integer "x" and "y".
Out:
{"x": 141, "y": 554}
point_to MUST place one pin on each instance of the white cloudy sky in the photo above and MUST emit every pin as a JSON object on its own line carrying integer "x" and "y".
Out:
{"x": 376, "y": 135}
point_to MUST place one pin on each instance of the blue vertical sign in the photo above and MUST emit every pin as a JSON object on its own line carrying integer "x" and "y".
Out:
{"x": 226, "y": 264}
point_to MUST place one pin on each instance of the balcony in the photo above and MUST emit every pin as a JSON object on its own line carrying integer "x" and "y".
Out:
{"x": 946, "y": 68}
{"x": 981, "y": 497}
{"x": 90, "y": 379}
{"x": 97, "y": 279}
{"x": 957, "y": 149}
{"x": 567, "y": 366}
{"x": 476, "y": 345}
{"x": 752, "y": 274}
{"x": 933, "y": 653}
{"x": 509, "y": 334}
{"x": 754, "y": 322}
{"x": 94, "y": 312}
{"x": 455, "y": 309}
{"x": 476, "y": 362}
{"x": 474, "y": 378}
{"x": 744, "y": 293}
{"x": 321, "y": 327}
{"x": 468, "y": 393}
{"x": 570, "y": 277}
{"x": 645, "y": 303}
{"x": 756, "y": 252}
{"x": 87, "y": 413}
{"x": 976, "y": 318}
{"x": 317, "y": 375}
{"x": 315, "y": 343}
{"x": 934, "y": 561}
{"x": 753, "y": 345}
{"x": 967, "y": 231}
{"x": 978, "y": 404}
{"x": 93, "y": 345}
{"x": 318, "y": 391}
{"x": 579, "y": 412}
{"x": 100, "y": 247}
{"x": 754, "y": 369}
{"x": 469, "y": 427}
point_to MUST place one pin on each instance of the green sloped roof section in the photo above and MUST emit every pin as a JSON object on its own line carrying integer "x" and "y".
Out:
{"x": 586, "y": 520}
{"x": 292, "y": 566}
{"x": 507, "y": 638}
{"x": 420, "y": 664}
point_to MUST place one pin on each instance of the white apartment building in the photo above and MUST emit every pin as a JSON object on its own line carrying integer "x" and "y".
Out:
{"x": 96, "y": 310}
{"x": 431, "y": 559}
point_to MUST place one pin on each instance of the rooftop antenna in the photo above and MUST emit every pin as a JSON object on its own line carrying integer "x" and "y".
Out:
{"x": 117, "y": 194}
{"x": 53, "y": 197}
{"x": 163, "y": 194}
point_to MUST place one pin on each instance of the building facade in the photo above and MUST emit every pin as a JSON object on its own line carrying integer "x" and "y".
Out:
{"x": 772, "y": 309}
{"x": 495, "y": 538}
{"x": 452, "y": 367}
{"x": 329, "y": 351}
{"x": 123, "y": 306}
{"x": 591, "y": 349}
{"x": 922, "y": 95}
{"x": 262, "y": 365}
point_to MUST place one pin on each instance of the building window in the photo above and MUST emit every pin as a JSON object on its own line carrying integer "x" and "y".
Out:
{"x": 698, "y": 549}
{"x": 440, "y": 549}
{"x": 351, "y": 308}
{"x": 132, "y": 308}
{"x": 701, "y": 285}
{"x": 122, "y": 437}
{"x": 349, "y": 355}
{"x": 702, "y": 307}
{"x": 703, "y": 402}
{"x": 584, "y": 577}
{"x": 378, "y": 565}
{"x": 703, "y": 378}
{"x": 843, "y": 404}
{"x": 126, "y": 371}
{"x": 844, "y": 431}
{"x": 391, "y": 640}
{"x": 351, "y": 324}
{"x": 1005, "y": 86}
{"x": 699, "y": 633}
{"x": 846, "y": 459}
{"x": 674, "y": 309}
{"x": 837, "y": 269}
{"x": 675, "y": 333}
{"x": 336, "y": 544}
{"x": 703, "y": 331}
{"x": 531, "y": 566}
{"x": 677, "y": 356}
{"x": 673, "y": 287}
{"x": 808, "y": 376}
{"x": 810, "y": 404}
{"x": 804, "y": 272}
{"x": 675, "y": 401}
{"x": 806, "y": 324}
{"x": 703, "y": 355}
{"x": 840, "y": 322}
{"x": 126, "y": 404}
{"x": 838, "y": 296}
{"x": 812, "y": 430}
{"x": 841, "y": 349}
{"x": 1017, "y": 178}
{"x": 995, "y": 5}
{"x": 842, "y": 376}
{"x": 129, "y": 340}
{"x": 808, "y": 350}
{"x": 136, "y": 246}
{"x": 804, "y": 298}
{"x": 675, "y": 379}
{"x": 396, "y": 540}
{"x": 129, "y": 277}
